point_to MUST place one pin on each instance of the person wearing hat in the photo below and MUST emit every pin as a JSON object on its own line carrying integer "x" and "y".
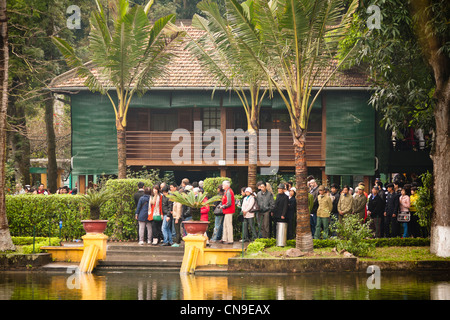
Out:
{"x": 248, "y": 205}
{"x": 359, "y": 203}
{"x": 279, "y": 213}
{"x": 390, "y": 212}
{"x": 323, "y": 213}
{"x": 375, "y": 210}
{"x": 266, "y": 205}
{"x": 345, "y": 203}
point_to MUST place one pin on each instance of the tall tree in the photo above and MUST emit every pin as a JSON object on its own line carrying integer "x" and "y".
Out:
{"x": 129, "y": 55}
{"x": 5, "y": 236}
{"x": 408, "y": 61}
{"x": 301, "y": 39}
{"x": 219, "y": 51}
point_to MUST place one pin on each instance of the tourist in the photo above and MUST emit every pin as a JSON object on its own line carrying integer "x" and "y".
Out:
{"x": 291, "y": 214}
{"x": 390, "y": 212}
{"x": 185, "y": 182}
{"x": 334, "y": 195}
{"x": 186, "y": 213}
{"x": 167, "y": 217}
{"x": 204, "y": 211}
{"x": 248, "y": 206}
{"x": 279, "y": 211}
{"x": 413, "y": 223}
{"x": 404, "y": 204}
{"x": 266, "y": 204}
{"x": 375, "y": 210}
{"x": 156, "y": 214}
{"x": 345, "y": 204}
{"x": 42, "y": 190}
{"x": 218, "y": 220}
{"x": 228, "y": 208}
{"x": 177, "y": 211}
{"x": 142, "y": 216}
{"x": 323, "y": 213}
{"x": 200, "y": 185}
{"x": 359, "y": 203}
{"x": 313, "y": 213}
{"x": 138, "y": 193}
{"x": 19, "y": 189}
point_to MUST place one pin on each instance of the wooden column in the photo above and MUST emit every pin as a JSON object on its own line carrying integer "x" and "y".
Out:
{"x": 81, "y": 184}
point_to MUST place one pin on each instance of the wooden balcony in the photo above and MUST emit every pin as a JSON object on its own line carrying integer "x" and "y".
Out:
{"x": 154, "y": 149}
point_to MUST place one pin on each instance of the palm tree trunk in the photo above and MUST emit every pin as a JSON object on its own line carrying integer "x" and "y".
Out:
{"x": 5, "y": 237}
{"x": 303, "y": 233}
{"x": 121, "y": 152}
{"x": 252, "y": 157}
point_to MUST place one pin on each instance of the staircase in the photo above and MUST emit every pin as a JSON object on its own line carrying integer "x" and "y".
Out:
{"x": 121, "y": 257}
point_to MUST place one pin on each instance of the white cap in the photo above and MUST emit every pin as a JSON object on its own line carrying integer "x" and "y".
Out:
{"x": 248, "y": 189}
{"x": 293, "y": 189}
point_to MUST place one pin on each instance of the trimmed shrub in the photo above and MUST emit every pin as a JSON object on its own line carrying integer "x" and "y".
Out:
{"x": 120, "y": 210}
{"x": 43, "y": 213}
{"x": 210, "y": 185}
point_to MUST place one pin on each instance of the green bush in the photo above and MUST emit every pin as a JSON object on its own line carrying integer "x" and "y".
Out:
{"x": 210, "y": 185}
{"x": 43, "y": 213}
{"x": 120, "y": 210}
{"x": 25, "y": 244}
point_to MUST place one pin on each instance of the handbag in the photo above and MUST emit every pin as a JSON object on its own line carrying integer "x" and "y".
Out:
{"x": 255, "y": 208}
{"x": 218, "y": 211}
{"x": 404, "y": 216}
{"x": 155, "y": 216}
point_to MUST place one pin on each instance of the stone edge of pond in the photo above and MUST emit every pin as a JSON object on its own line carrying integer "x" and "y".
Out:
{"x": 13, "y": 261}
{"x": 348, "y": 264}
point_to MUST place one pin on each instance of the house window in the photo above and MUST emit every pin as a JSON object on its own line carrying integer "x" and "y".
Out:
{"x": 164, "y": 120}
{"x": 211, "y": 118}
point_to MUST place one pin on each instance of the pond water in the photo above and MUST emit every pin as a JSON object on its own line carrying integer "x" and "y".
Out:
{"x": 173, "y": 286}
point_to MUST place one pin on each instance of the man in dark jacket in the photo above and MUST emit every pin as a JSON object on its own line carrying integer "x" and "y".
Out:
{"x": 266, "y": 205}
{"x": 136, "y": 197}
{"x": 390, "y": 212}
{"x": 375, "y": 210}
{"x": 279, "y": 212}
{"x": 167, "y": 220}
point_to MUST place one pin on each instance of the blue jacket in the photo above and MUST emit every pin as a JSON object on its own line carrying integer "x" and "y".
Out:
{"x": 142, "y": 207}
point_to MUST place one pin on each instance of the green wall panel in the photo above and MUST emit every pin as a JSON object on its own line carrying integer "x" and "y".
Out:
{"x": 350, "y": 143}
{"x": 94, "y": 136}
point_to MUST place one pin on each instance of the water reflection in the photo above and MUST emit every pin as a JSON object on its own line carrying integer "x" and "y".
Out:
{"x": 172, "y": 286}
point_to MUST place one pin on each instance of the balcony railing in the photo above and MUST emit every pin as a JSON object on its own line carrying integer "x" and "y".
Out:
{"x": 155, "y": 147}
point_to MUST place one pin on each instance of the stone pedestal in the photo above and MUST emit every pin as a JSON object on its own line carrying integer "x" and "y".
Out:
{"x": 97, "y": 239}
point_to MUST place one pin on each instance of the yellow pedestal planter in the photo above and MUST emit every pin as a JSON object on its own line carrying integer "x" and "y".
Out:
{"x": 196, "y": 254}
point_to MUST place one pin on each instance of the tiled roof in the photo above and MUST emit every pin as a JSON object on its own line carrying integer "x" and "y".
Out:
{"x": 185, "y": 72}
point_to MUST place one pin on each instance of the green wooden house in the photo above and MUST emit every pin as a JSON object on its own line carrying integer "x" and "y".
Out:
{"x": 344, "y": 142}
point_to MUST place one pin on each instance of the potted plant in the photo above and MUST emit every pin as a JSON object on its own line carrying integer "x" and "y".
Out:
{"x": 195, "y": 202}
{"x": 94, "y": 200}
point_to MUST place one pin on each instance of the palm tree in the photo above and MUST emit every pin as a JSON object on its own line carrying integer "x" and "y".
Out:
{"x": 219, "y": 51}
{"x": 299, "y": 42}
{"x": 94, "y": 200}
{"x": 129, "y": 53}
{"x": 194, "y": 201}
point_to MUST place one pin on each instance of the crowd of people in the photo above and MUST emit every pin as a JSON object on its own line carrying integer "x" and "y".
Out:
{"x": 389, "y": 209}
{"x": 27, "y": 189}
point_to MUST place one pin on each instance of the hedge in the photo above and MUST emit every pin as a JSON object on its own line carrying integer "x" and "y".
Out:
{"x": 26, "y": 212}
{"x": 379, "y": 242}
